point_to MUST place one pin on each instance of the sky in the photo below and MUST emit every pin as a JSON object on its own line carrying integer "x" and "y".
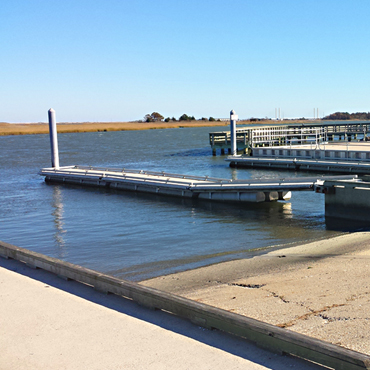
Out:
{"x": 118, "y": 60}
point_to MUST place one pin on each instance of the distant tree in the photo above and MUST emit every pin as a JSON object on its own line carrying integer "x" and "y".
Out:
{"x": 342, "y": 116}
{"x": 204, "y": 119}
{"x": 357, "y": 115}
{"x": 173, "y": 119}
{"x": 185, "y": 117}
{"x": 211, "y": 119}
{"x": 148, "y": 118}
{"x": 168, "y": 119}
{"x": 155, "y": 116}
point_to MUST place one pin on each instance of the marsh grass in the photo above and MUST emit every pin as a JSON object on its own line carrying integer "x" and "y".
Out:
{"x": 43, "y": 128}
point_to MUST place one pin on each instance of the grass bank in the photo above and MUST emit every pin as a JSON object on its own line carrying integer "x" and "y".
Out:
{"x": 43, "y": 128}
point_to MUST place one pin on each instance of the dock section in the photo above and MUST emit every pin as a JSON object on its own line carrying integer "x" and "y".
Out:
{"x": 208, "y": 188}
{"x": 346, "y": 199}
{"x": 248, "y": 138}
{"x": 337, "y": 157}
{"x": 198, "y": 187}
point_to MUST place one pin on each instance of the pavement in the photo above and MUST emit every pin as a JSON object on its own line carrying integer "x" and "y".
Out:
{"x": 49, "y": 323}
{"x": 320, "y": 289}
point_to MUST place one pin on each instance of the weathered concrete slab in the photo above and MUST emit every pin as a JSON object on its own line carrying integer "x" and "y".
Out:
{"x": 265, "y": 335}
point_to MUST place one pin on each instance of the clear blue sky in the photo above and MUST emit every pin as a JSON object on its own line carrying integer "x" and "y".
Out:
{"x": 116, "y": 60}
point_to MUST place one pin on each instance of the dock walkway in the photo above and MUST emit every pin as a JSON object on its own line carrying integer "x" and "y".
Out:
{"x": 251, "y": 190}
{"x": 339, "y": 157}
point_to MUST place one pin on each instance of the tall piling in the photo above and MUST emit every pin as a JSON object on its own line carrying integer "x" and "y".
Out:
{"x": 53, "y": 139}
{"x": 233, "y": 118}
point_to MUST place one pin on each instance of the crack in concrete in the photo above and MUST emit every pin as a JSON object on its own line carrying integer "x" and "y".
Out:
{"x": 251, "y": 286}
{"x": 276, "y": 295}
{"x": 309, "y": 314}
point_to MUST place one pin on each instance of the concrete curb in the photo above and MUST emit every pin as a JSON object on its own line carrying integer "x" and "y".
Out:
{"x": 262, "y": 334}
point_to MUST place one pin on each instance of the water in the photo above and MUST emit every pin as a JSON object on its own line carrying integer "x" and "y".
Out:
{"x": 137, "y": 236}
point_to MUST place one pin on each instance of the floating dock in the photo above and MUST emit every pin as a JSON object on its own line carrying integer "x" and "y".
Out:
{"x": 337, "y": 157}
{"x": 301, "y": 164}
{"x": 347, "y": 199}
{"x": 198, "y": 187}
{"x": 204, "y": 187}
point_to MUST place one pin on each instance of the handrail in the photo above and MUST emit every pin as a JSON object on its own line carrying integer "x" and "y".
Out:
{"x": 191, "y": 182}
{"x": 151, "y": 173}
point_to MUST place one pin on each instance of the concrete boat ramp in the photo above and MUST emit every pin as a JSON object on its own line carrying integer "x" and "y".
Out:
{"x": 251, "y": 190}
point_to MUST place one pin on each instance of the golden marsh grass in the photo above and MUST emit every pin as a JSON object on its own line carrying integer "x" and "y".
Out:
{"x": 43, "y": 128}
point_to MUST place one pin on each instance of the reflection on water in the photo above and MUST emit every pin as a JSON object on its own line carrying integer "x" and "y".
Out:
{"x": 57, "y": 206}
{"x": 287, "y": 210}
{"x": 234, "y": 174}
{"x": 168, "y": 234}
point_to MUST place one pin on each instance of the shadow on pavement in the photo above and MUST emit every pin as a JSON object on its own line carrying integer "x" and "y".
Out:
{"x": 167, "y": 321}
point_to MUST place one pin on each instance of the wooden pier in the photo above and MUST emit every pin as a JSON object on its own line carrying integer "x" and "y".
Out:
{"x": 197, "y": 187}
{"x": 248, "y": 138}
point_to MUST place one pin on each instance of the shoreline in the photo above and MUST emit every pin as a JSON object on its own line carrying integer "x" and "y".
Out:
{"x": 43, "y": 128}
{"x": 30, "y": 128}
{"x": 320, "y": 289}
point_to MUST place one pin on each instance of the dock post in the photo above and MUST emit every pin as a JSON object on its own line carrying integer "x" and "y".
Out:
{"x": 53, "y": 139}
{"x": 233, "y": 118}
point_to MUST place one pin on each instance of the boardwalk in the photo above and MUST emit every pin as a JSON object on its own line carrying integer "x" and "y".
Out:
{"x": 292, "y": 134}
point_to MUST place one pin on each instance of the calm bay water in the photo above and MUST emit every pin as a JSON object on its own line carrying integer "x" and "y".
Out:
{"x": 137, "y": 236}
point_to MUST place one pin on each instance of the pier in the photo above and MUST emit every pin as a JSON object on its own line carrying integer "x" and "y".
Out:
{"x": 195, "y": 187}
{"x": 329, "y": 147}
{"x": 248, "y": 138}
{"x": 336, "y": 157}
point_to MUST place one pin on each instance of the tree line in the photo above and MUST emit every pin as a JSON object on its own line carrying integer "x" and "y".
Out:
{"x": 156, "y": 117}
{"x": 342, "y": 116}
